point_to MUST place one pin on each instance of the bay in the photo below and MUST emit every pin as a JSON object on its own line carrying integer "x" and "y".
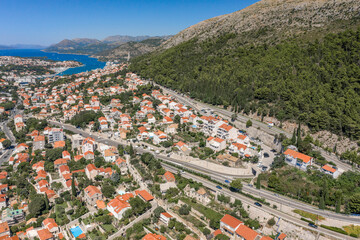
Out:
{"x": 89, "y": 63}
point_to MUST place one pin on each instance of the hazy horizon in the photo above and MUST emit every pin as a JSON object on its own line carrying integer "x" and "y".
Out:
{"x": 48, "y": 22}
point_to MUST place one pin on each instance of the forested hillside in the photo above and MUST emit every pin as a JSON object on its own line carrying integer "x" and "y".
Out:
{"x": 316, "y": 82}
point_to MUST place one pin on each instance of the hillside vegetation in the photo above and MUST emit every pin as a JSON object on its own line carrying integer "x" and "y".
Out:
{"x": 316, "y": 82}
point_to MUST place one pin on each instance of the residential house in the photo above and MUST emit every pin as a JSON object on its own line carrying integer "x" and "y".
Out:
{"x": 51, "y": 225}
{"x": 229, "y": 159}
{"x": 229, "y": 224}
{"x": 168, "y": 177}
{"x": 241, "y": 149}
{"x": 39, "y": 143}
{"x": 297, "y": 159}
{"x": 121, "y": 164}
{"x": 88, "y": 144}
{"x": 227, "y": 132}
{"x": 1, "y": 141}
{"x": 118, "y": 207}
{"x": 55, "y": 134}
{"x": 109, "y": 155}
{"x": 159, "y": 137}
{"x": 165, "y": 218}
{"x": 12, "y": 216}
{"x": 4, "y": 229}
{"x": 92, "y": 194}
{"x": 91, "y": 171}
{"x": 153, "y": 236}
{"x": 59, "y": 144}
{"x": 144, "y": 195}
{"x": 200, "y": 195}
{"x": 172, "y": 128}
{"x": 45, "y": 234}
{"x": 327, "y": 169}
{"x": 183, "y": 147}
{"x": 216, "y": 144}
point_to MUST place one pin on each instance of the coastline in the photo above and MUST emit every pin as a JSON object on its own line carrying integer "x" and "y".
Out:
{"x": 83, "y": 54}
{"x": 84, "y": 62}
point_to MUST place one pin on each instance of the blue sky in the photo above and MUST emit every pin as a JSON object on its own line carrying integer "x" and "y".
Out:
{"x": 49, "y": 21}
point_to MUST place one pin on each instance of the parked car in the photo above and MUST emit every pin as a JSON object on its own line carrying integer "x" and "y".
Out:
{"x": 218, "y": 187}
{"x": 313, "y": 225}
{"x": 227, "y": 181}
{"x": 258, "y": 204}
{"x": 266, "y": 155}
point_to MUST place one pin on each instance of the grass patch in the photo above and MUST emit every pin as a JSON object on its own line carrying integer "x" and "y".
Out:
{"x": 335, "y": 229}
{"x": 109, "y": 228}
{"x": 97, "y": 235}
{"x": 311, "y": 216}
{"x": 352, "y": 230}
{"x": 207, "y": 212}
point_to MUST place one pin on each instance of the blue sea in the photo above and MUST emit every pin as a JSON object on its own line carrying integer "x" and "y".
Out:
{"x": 88, "y": 62}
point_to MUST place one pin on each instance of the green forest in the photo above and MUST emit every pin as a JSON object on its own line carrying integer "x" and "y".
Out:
{"x": 315, "y": 82}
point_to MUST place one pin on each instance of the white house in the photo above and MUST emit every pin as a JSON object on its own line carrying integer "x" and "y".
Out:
{"x": 216, "y": 144}
{"x": 165, "y": 218}
{"x": 159, "y": 137}
{"x": 327, "y": 169}
{"x": 226, "y": 131}
{"x": 297, "y": 159}
{"x": 117, "y": 207}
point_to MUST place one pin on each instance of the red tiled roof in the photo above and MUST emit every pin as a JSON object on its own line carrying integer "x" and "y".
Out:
{"x": 231, "y": 221}
{"x": 246, "y": 232}
{"x": 297, "y": 155}
{"x": 144, "y": 194}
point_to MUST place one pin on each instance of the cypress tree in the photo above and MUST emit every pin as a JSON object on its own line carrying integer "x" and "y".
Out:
{"x": 131, "y": 151}
{"x": 322, "y": 202}
{"x": 337, "y": 206}
{"x": 293, "y": 139}
{"x": 258, "y": 184}
{"x": 298, "y": 135}
{"x": 47, "y": 204}
{"x": 73, "y": 189}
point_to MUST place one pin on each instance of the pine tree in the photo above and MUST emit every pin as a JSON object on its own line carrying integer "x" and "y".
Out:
{"x": 298, "y": 136}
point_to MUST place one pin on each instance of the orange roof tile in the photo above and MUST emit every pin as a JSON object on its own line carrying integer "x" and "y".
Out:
{"x": 144, "y": 194}
{"x": 246, "y": 232}
{"x": 231, "y": 221}
{"x": 153, "y": 236}
{"x": 329, "y": 168}
{"x": 297, "y": 155}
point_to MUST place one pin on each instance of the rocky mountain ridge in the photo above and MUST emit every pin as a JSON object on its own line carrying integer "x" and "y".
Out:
{"x": 113, "y": 47}
{"x": 271, "y": 21}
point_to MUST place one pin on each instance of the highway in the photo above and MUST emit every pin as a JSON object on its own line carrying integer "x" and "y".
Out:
{"x": 221, "y": 178}
{"x": 275, "y": 212}
{"x": 8, "y": 152}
